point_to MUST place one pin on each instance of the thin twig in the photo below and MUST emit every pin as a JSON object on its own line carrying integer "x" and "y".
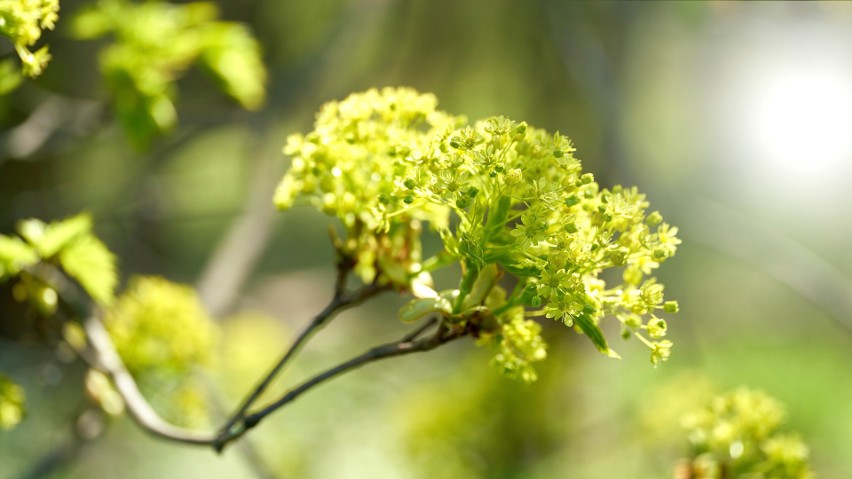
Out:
{"x": 422, "y": 329}
{"x": 253, "y": 459}
{"x": 339, "y": 302}
{"x": 389, "y": 350}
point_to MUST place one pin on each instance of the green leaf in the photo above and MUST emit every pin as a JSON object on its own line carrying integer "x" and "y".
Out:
{"x": 155, "y": 45}
{"x": 485, "y": 282}
{"x": 232, "y": 56}
{"x": 50, "y": 239}
{"x": 418, "y": 308}
{"x": 93, "y": 265}
{"x": 521, "y": 270}
{"x": 497, "y": 216}
{"x": 591, "y": 329}
{"x": 15, "y": 255}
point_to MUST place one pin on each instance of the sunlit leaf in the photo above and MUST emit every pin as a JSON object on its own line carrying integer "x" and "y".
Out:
{"x": 232, "y": 56}
{"x": 49, "y": 239}
{"x": 15, "y": 255}
{"x": 593, "y": 331}
{"x": 93, "y": 265}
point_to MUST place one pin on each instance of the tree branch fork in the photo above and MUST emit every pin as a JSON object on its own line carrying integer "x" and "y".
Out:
{"x": 101, "y": 355}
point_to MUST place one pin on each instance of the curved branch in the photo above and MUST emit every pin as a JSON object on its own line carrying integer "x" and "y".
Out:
{"x": 389, "y": 350}
{"x": 137, "y": 406}
{"x": 339, "y": 302}
{"x": 100, "y": 354}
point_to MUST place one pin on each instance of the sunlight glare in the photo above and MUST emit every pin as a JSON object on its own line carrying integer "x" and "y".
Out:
{"x": 801, "y": 119}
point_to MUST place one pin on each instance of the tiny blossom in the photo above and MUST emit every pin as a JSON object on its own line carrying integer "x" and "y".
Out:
{"x": 518, "y": 344}
{"x": 532, "y": 230}
{"x": 656, "y": 327}
{"x": 660, "y": 351}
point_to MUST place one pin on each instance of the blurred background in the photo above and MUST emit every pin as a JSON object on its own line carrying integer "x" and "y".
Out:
{"x": 734, "y": 118}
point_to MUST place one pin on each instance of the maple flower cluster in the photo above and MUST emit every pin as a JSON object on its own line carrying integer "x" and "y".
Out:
{"x": 738, "y": 434}
{"x": 23, "y": 21}
{"x": 506, "y": 199}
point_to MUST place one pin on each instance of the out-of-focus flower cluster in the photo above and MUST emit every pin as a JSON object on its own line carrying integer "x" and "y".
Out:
{"x": 163, "y": 333}
{"x": 159, "y": 325}
{"x": 11, "y": 403}
{"x": 23, "y": 21}
{"x": 504, "y": 198}
{"x": 737, "y": 436}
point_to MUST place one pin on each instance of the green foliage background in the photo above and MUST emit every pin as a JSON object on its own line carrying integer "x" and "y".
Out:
{"x": 631, "y": 83}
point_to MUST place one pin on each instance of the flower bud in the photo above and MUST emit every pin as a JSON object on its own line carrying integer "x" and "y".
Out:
{"x": 670, "y": 307}
{"x": 514, "y": 176}
{"x": 654, "y": 219}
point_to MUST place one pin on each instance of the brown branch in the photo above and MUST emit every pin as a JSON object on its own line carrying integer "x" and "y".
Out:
{"x": 422, "y": 329}
{"x": 339, "y": 302}
{"x": 389, "y": 350}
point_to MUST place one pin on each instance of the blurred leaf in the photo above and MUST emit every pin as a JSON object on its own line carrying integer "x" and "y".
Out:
{"x": 14, "y": 255}
{"x": 232, "y": 56}
{"x": 93, "y": 265}
{"x": 419, "y": 308}
{"x": 155, "y": 44}
{"x": 49, "y": 239}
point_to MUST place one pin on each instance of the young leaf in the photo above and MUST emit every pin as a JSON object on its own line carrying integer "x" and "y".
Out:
{"x": 593, "y": 331}
{"x": 49, "y": 239}
{"x": 14, "y": 255}
{"x": 232, "y": 56}
{"x": 418, "y": 308}
{"x": 93, "y": 265}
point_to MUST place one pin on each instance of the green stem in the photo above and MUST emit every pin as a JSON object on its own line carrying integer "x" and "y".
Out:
{"x": 502, "y": 309}
{"x": 466, "y": 286}
{"x": 438, "y": 261}
{"x": 497, "y": 216}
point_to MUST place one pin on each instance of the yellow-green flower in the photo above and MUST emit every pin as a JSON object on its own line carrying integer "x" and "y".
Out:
{"x": 158, "y": 326}
{"x": 23, "y": 22}
{"x": 503, "y": 197}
